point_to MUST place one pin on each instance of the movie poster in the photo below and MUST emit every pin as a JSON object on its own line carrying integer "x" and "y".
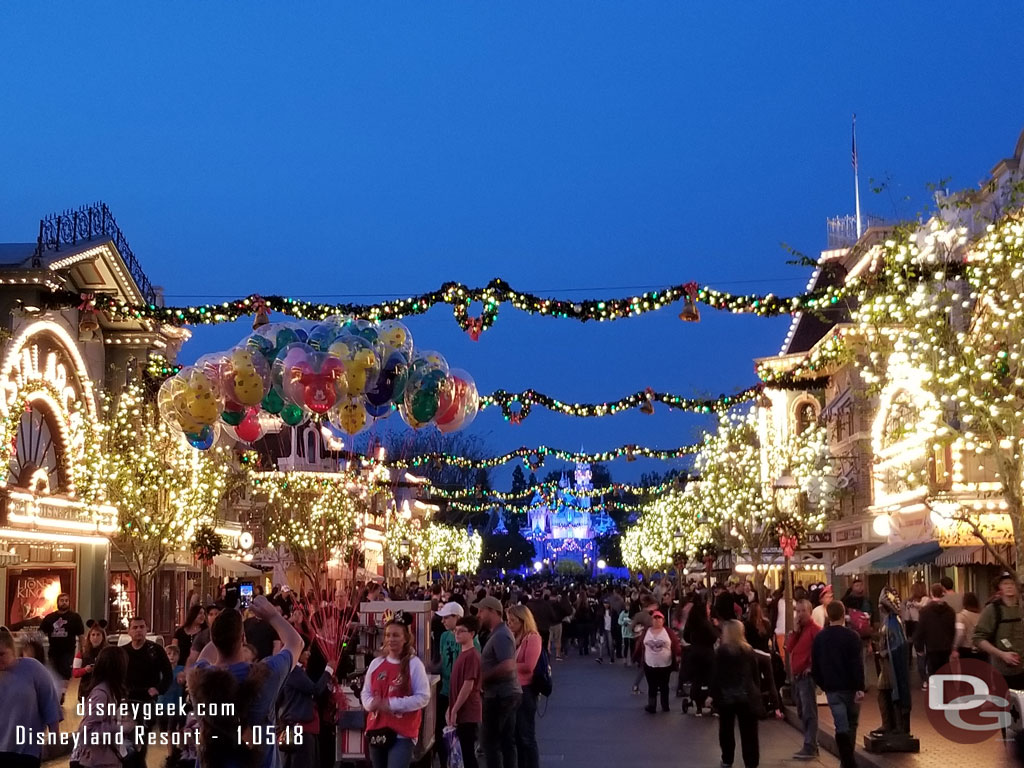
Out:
{"x": 32, "y": 593}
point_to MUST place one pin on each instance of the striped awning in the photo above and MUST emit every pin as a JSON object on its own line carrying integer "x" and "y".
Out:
{"x": 953, "y": 556}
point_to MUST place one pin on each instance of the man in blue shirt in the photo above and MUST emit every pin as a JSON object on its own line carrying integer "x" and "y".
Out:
{"x": 222, "y": 676}
{"x": 28, "y": 698}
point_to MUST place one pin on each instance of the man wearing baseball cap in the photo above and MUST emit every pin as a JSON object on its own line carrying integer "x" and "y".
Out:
{"x": 501, "y": 690}
{"x": 1000, "y": 633}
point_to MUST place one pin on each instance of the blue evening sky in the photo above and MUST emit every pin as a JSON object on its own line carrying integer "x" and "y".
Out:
{"x": 584, "y": 149}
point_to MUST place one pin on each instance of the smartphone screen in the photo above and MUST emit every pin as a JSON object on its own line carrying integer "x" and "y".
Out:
{"x": 245, "y": 595}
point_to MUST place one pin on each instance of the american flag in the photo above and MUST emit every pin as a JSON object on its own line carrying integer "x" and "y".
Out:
{"x": 855, "y": 142}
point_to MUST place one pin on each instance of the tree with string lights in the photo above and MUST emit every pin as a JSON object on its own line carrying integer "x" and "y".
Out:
{"x": 318, "y": 520}
{"x": 941, "y": 321}
{"x": 737, "y": 488}
{"x": 163, "y": 488}
{"x": 670, "y": 531}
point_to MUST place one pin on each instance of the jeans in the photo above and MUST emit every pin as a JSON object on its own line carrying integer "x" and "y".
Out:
{"x": 845, "y": 714}
{"x": 399, "y": 756}
{"x": 467, "y": 740}
{"x": 499, "y": 730}
{"x": 526, "y": 730}
{"x": 728, "y": 716}
{"x": 807, "y": 708}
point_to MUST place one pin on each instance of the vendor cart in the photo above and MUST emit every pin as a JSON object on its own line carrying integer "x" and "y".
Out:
{"x": 351, "y": 747}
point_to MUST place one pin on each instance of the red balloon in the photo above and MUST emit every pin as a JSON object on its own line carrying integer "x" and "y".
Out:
{"x": 450, "y": 401}
{"x": 250, "y": 430}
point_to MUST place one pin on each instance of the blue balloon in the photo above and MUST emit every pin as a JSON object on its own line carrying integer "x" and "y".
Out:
{"x": 390, "y": 385}
{"x": 378, "y": 411}
{"x": 201, "y": 440}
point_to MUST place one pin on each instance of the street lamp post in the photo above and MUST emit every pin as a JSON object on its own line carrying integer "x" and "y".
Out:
{"x": 787, "y": 496}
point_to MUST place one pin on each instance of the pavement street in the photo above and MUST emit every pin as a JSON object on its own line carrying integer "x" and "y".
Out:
{"x": 593, "y": 721}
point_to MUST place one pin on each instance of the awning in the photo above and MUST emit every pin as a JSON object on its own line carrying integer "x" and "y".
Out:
{"x": 224, "y": 566}
{"x": 898, "y": 555}
{"x": 953, "y": 556}
{"x": 915, "y": 554}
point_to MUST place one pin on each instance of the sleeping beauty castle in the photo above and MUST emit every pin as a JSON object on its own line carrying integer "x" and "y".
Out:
{"x": 564, "y": 522}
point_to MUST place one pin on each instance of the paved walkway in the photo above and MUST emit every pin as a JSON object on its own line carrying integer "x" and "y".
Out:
{"x": 936, "y": 750}
{"x": 592, "y": 721}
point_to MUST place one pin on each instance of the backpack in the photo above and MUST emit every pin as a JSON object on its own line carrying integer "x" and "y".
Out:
{"x": 541, "y": 680}
{"x": 997, "y": 605}
{"x": 859, "y": 622}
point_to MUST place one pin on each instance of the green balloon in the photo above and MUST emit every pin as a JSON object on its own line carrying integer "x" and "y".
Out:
{"x": 232, "y": 418}
{"x": 424, "y": 406}
{"x": 272, "y": 402}
{"x": 292, "y": 415}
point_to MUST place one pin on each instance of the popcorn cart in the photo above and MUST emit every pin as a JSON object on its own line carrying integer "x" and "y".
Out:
{"x": 351, "y": 747}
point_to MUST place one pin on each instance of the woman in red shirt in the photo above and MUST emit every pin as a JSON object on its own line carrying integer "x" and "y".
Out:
{"x": 520, "y": 620}
{"x": 396, "y": 689}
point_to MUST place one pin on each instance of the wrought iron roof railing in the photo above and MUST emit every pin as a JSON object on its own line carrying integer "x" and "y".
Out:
{"x": 86, "y": 223}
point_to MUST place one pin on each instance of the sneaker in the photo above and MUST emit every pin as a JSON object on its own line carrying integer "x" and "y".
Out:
{"x": 650, "y": 710}
{"x": 599, "y": 660}
{"x": 807, "y": 753}
{"x": 726, "y": 765}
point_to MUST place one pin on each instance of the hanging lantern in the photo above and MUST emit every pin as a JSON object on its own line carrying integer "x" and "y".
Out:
{"x": 690, "y": 313}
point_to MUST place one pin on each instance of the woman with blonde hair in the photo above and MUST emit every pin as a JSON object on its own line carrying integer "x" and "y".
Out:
{"x": 737, "y": 695}
{"x": 528, "y": 646}
{"x": 395, "y": 693}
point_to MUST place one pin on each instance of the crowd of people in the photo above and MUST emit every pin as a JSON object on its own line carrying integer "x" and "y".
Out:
{"x": 260, "y": 690}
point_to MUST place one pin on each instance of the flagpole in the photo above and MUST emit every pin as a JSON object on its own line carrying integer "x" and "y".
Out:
{"x": 856, "y": 178}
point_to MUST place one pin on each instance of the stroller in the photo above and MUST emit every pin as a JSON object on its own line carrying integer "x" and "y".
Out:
{"x": 695, "y": 680}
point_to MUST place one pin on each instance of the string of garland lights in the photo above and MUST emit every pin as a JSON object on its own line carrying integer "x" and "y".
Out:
{"x": 516, "y": 406}
{"x": 833, "y": 350}
{"x": 534, "y": 457}
{"x": 547, "y": 489}
{"x": 461, "y": 297}
{"x": 485, "y": 506}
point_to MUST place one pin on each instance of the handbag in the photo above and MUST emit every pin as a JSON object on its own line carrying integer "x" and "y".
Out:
{"x": 381, "y": 738}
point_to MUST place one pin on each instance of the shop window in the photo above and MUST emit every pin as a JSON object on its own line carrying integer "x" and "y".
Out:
{"x": 123, "y": 599}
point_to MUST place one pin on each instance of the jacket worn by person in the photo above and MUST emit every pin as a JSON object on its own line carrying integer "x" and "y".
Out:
{"x": 798, "y": 646}
{"x": 736, "y": 678}
{"x": 297, "y": 704}
{"x": 1001, "y": 625}
{"x": 837, "y": 660}
{"x": 148, "y": 667}
{"x": 936, "y": 628}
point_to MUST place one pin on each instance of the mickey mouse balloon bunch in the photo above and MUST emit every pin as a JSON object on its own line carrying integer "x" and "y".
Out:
{"x": 349, "y": 371}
